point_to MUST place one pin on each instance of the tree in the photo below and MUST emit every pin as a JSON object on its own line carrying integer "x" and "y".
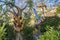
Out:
{"x": 17, "y": 15}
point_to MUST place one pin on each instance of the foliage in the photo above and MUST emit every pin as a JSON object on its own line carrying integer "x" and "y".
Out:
{"x": 9, "y": 28}
{"x": 0, "y": 8}
{"x": 51, "y": 21}
{"x": 58, "y": 9}
{"x": 2, "y": 32}
{"x": 28, "y": 30}
{"x": 28, "y": 33}
{"x": 30, "y": 2}
{"x": 50, "y": 34}
{"x": 10, "y": 33}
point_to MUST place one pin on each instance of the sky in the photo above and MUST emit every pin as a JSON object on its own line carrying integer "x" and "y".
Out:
{"x": 49, "y": 3}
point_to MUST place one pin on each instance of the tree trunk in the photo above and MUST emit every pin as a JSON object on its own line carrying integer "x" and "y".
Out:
{"x": 19, "y": 36}
{"x": 18, "y": 33}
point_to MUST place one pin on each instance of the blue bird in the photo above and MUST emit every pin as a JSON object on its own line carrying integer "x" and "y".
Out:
{"x": 36, "y": 14}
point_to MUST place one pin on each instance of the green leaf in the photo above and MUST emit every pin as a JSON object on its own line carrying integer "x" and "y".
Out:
{"x": 0, "y": 7}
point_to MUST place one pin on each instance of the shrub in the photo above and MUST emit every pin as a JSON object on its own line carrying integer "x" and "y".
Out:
{"x": 50, "y": 34}
{"x": 28, "y": 33}
{"x": 2, "y": 32}
{"x": 10, "y": 33}
{"x": 51, "y": 21}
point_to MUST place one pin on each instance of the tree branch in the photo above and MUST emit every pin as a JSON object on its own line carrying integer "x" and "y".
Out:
{"x": 19, "y": 9}
{"x": 12, "y": 12}
{"x": 24, "y": 7}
